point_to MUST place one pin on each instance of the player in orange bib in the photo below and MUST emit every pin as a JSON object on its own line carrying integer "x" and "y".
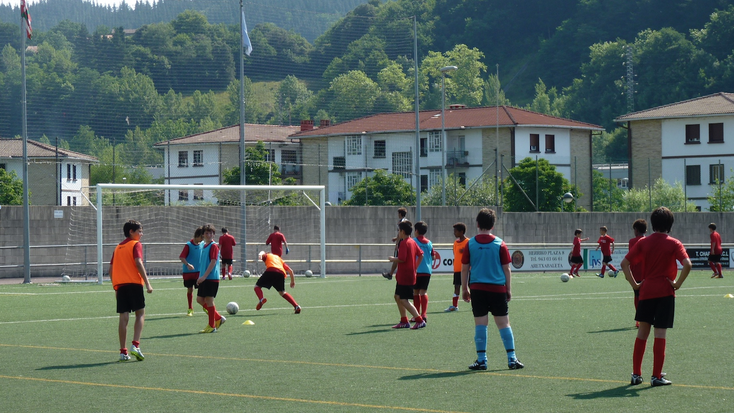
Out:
{"x": 274, "y": 276}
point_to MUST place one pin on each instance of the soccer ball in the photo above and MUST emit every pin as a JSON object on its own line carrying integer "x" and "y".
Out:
{"x": 565, "y": 277}
{"x": 246, "y": 274}
{"x": 65, "y": 279}
{"x": 232, "y": 307}
{"x": 610, "y": 273}
{"x": 308, "y": 273}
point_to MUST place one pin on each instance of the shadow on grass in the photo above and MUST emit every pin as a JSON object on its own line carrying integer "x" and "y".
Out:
{"x": 194, "y": 333}
{"x": 613, "y": 330}
{"x": 439, "y": 375}
{"x": 77, "y": 366}
{"x": 622, "y": 391}
{"x": 384, "y": 329}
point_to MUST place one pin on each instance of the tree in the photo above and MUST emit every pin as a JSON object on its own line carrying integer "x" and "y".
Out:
{"x": 606, "y": 196}
{"x": 721, "y": 198}
{"x": 382, "y": 188}
{"x": 480, "y": 193}
{"x": 661, "y": 194}
{"x": 11, "y": 188}
{"x": 551, "y": 187}
{"x": 353, "y": 95}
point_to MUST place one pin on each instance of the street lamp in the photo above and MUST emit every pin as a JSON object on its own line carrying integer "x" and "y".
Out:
{"x": 444, "y": 71}
{"x": 566, "y": 198}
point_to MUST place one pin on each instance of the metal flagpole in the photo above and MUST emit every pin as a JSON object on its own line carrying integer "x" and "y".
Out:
{"x": 418, "y": 133}
{"x": 26, "y": 208}
{"x": 243, "y": 178}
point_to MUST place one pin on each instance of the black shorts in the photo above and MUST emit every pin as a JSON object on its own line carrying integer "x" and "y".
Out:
{"x": 659, "y": 312}
{"x": 457, "y": 278}
{"x": 208, "y": 288}
{"x": 227, "y": 261}
{"x": 190, "y": 279}
{"x": 484, "y": 302}
{"x": 606, "y": 259}
{"x": 422, "y": 282}
{"x": 404, "y": 292}
{"x": 714, "y": 257}
{"x": 130, "y": 298}
{"x": 272, "y": 279}
{"x": 577, "y": 259}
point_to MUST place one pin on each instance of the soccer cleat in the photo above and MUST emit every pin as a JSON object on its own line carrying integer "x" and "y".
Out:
{"x": 209, "y": 329}
{"x": 719, "y": 276}
{"x": 387, "y": 276}
{"x": 601, "y": 275}
{"x": 137, "y": 353}
{"x": 450, "y": 309}
{"x": 297, "y": 309}
{"x": 124, "y": 357}
{"x": 616, "y": 274}
{"x": 635, "y": 379}
{"x": 402, "y": 325}
{"x": 660, "y": 381}
{"x": 515, "y": 365}
{"x": 260, "y": 304}
{"x": 218, "y": 323}
{"x": 421, "y": 324}
{"x": 190, "y": 312}
{"x": 714, "y": 275}
{"x": 478, "y": 365}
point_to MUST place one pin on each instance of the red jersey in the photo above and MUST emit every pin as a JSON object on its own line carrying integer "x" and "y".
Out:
{"x": 226, "y": 242}
{"x": 576, "y": 247}
{"x": 605, "y": 242}
{"x": 636, "y": 270}
{"x": 276, "y": 240}
{"x": 715, "y": 243}
{"x": 408, "y": 252}
{"x": 658, "y": 254}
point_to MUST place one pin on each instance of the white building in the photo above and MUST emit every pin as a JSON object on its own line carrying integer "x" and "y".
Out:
{"x": 689, "y": 142}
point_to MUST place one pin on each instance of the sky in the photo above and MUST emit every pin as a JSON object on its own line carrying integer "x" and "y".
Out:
{"x": 130, "y": 3}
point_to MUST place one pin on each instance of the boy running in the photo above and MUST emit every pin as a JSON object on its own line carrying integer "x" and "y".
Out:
{"x": 277, "y": 241}
{"x": 488, "y": 288}
{"x": 423, "y": 271}
{"x": 460, "y": 243}
{"x": 191, "y": 257}
{"x": 606, "y": 244}
{"x": 275, "y": 273}
{"x": 208, "y": 281}
{"x": 639, "y": 230}
{"x": 657, "y": 253}
{"x": 406, "y": 262}
{"x": 715, "y": 251}
{"x": 226, "y": 242}
{"x": 577, "y": 260}
{"x": 128, "y": 276}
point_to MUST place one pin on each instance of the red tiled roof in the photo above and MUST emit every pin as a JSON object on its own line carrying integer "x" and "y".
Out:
{"x": 253, "y": 133}
{"x": 484, "y": 117}
{"x": 710, "y": 105}
{"x": 13, "y": 148}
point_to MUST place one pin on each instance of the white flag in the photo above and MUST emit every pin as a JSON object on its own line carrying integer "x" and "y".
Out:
{"x": 245, "y": 38}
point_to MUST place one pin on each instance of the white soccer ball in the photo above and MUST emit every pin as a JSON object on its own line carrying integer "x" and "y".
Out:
{"x": 65, "y": 279}
{"x": 308, "y": 273}
{"x": 232, "y": 307}
{"x": 565, "y": 277}
{"x": 610, "y": 273}
{"x": 246, "y": 274}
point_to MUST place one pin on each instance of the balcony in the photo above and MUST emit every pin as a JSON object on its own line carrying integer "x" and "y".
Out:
{"x": 457, "y": 158}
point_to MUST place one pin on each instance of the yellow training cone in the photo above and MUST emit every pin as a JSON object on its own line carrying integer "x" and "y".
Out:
{"x": 248, "y": 323}
{"x": 729, "y": 296}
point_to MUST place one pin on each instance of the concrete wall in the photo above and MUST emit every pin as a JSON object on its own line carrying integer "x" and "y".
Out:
{"x": 345, "y": 225}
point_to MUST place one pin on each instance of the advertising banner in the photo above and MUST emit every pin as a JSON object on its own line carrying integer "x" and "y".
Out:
{"x": 698, "y": 257}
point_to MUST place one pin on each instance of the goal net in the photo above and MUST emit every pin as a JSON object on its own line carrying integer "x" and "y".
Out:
{"x": 171, "y": 213}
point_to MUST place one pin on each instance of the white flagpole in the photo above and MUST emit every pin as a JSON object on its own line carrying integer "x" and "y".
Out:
{"x": 26, "y": 208}
{"x": 243, "y": 178}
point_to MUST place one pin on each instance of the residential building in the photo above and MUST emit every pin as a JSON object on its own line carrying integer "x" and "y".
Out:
{"x": 56, "y": 176}
{"x": 341, "y": 155}
{"x": 202, "y": 158}
{"x": 688, "y": 142}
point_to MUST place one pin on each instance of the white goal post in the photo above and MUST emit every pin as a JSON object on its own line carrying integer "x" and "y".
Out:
{"x": 105, "y": 192}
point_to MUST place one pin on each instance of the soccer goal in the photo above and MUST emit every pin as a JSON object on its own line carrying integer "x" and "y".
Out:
{"x": 171, "y": 213}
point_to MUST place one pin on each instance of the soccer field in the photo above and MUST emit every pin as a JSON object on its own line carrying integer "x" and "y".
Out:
{"x": 59, "y": 350}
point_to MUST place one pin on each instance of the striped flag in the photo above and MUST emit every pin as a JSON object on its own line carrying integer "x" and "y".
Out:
{"x": 245, "y": 38}
{"x": 25, "y": 15}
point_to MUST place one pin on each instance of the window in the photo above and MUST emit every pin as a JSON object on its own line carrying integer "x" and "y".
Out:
{"x": 716, "y": 133}
{"x": 716, "y": 173}
{"x": 435, "y": 177}
{"x": 462, "y": 178}
{"x": 692, "y": 132}
{"x": 183, "y": 159}
{"x": 198, "y": 193}
{"x": 402, "y": 164}
{"x": 68, "y": 201}
{"x": 198, "y": 159}
{"x": 693, "y": 175}
{"x": 354, "y": 145}
{"x": 68, "y": 172}
{"x": 270, "y": 155}
{"x": 423, "y": 143}
{"x": 288, "y": 157}
{"x": 435, "y": 141}
{"x": 183, "y": 195}
{"x": 424, "y": 183}
{"x": 352, "y": 179}
{"x": 338, "y": 162}
{"x": 74, "y": 173}
{"x": 534, "y": 143}
{"x": 379, "y": 149}
{"x": 550, "y": 144}
{"x": 74, "y": 201}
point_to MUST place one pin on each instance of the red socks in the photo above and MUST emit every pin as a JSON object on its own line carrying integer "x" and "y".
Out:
{"x": 639, "y": 349}
{"x": 455, "y": 300}
{"x": 424, "y": 304}
{"x": 259, "y": 293}
{"x": 213, "y": 316}
{"x": 659, "y": 354}
{"x": 189, "y": 297}
{"x": 417, "y": 302}
{"x": 290, "y": 299}
{"x": 719, "y": 269}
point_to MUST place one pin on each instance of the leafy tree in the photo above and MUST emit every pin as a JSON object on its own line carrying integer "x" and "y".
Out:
{"x": 292, "y": 96}
{"x": 662, "y": 194}
{"x": 611, "y": 147}
{"x": 480, "y": 193}
{"x": 721, "y": 195}
{"x": 464, "y": 85}
{"x": 258, "y": 170}
{"x": 494, "y": 94}
{"x": 606, "y": 196}
{"x": 353, "y": 95}
{"x": 382, "y": 188}
{"x": 11, "y": 188}
{"x": 550, "y": 183}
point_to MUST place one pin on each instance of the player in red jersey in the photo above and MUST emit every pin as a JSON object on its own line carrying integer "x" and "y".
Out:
{"x": 640, "y": 227}
{"x": 606, "y": 244}
{"x": 577, "y": 260}
{"x": 407, "y": 261}
{"x": 715, "y": 251}
{"x": 658, "y": 254}
{"x": 277, "y": 241}
{"x": 226, "y": 242}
